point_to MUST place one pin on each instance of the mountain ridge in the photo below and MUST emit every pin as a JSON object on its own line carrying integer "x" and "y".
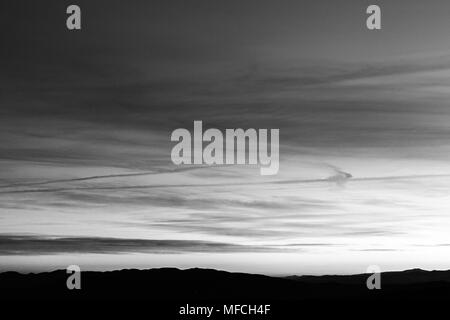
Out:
{"x": 165, "y": 284}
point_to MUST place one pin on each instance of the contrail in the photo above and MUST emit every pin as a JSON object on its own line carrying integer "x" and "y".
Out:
{"x": 121, "y": 175}
{"x": 118, "y": 175}
{"x": 349, "y": 178}
{"x": 155, "y": 186}
{"x": 27, "y": 184}
{"x": 161, "y": 186}
{"x": 417, "y": 176}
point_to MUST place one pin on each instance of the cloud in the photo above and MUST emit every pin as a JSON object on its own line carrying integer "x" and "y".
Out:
{"x": 36, "y": 245}
{"x": 86, "y": 119}
{"x": 335, "y": 179}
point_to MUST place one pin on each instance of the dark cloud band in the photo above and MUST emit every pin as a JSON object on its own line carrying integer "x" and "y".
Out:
{"x": 35, "y": 245}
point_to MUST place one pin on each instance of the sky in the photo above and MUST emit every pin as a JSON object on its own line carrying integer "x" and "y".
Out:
{"x": 86, "y": 116}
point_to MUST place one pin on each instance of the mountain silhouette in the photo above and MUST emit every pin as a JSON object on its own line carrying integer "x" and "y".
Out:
{"x": 170, "y": 288}
{"x": 209, "y": 284}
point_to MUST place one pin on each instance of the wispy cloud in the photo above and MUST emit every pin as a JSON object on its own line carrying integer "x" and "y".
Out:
{"x": 35, "y": 245}
{"x": 85, "y": 131}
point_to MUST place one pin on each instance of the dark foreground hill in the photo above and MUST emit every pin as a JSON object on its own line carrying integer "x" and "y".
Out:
{"x": 208, "y": 284}
{"x": 175, "y": 288}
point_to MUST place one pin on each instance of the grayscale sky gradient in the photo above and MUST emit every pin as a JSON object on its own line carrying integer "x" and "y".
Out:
{"x": 85, "y": 121}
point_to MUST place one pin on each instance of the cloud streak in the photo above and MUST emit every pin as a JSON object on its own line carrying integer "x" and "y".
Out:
{"x": 86, "y": 118}
{"x": 45, "y": 245}
{"x": 333, "y": 179}
{"x": 101, "y": 177}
